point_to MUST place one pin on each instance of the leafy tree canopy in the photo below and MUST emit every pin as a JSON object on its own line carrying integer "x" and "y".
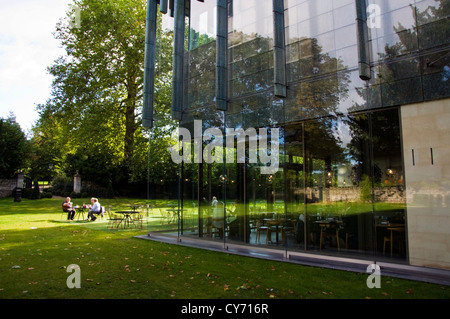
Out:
{"x": 93, "y": 119}
{"x": 14, "y": 147}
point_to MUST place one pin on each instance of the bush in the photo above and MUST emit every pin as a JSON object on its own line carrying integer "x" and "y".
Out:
{"x": 366, "y": 189}
{"x": 109, "y": 191}
{"x": 46, "y": 195}
{"x": 74, "y": 195}
{"x": 99, "y": 192}
{"x": 27, "y": 193}
{"x": 62, "y": 186}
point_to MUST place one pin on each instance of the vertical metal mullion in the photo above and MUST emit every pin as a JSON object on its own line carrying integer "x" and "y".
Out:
{"x": 178, "y": 60}
{"x": 221, "y": 55}
{"x": 163, "y": 6}
{"x": 363, "y": 40}
{"x": 279, "y": 53}
{"x": 149, "y": 64}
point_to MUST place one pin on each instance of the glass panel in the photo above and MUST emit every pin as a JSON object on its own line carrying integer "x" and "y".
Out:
{"x": 189, "y": 192}
{"x": 250, "y": 48}
{"x": 338, "y": 187}
{"x": 202, "y": 23}
{"x": 354, "y": 167}
{"x": 266, "y": 197}
{"x": 238, "y": 224}
{"x": 388, "y": 180}
{"x": 293, "y": 231}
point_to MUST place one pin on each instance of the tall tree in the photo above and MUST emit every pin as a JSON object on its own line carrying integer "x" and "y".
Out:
{"x": 14, "y": 147}
{"x": 97, "y": 88}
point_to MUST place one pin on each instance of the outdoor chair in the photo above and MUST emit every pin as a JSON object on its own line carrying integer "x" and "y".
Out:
{"x": 164, "y": 216}
{"x": 259, "y": 228}
{"x": 138, "y": 219}
{"x": 330, "y": 230}
{"x": 64, "y": 213}
{"x": 100, "y": 213}
{"x": 114, "y": 219}
{"x": 289, "y": 228}
{"x": 399, "y": 231}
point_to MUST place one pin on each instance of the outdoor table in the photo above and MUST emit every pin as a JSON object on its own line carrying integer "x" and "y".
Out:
{"x": 127, "y": 218}
{"x": 388, "y": 225}
{"x": 80, "y": 211}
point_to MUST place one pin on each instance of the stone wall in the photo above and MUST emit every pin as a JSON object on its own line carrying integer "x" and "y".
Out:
{"x": 426, "y": 147}
{"x": 353, "y": 194}
{"x": 6, "y": 187}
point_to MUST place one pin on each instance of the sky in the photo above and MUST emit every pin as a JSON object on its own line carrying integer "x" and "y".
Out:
{"x": 27, "y": 48}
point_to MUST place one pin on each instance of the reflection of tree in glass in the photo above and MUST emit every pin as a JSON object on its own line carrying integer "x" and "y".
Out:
{"x": 400, "y": 61}
{"x": 322, "y": 87}
{"x": 318, "y": 96}
{"x": 432, "y": 30}
{"x": 196, "y": 39}
{"x": 396, "y": 65}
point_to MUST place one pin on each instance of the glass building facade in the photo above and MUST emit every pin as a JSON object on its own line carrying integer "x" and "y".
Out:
{"x": 352, "y": 164}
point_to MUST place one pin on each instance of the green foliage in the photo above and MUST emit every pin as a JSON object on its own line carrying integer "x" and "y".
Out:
{"x": 46, "y": 194}
{"x": 91, "y": 124}
{"x": 109, "y": 191}
{"x": 366, "y": 189}
{"x": 14, "y": 147}
{"x": 62, "y": 186}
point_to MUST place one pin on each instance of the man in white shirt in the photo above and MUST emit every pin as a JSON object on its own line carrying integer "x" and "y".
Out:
{"x": 94, "y": 209}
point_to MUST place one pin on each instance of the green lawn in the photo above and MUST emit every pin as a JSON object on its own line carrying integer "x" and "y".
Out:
{"x": 37, "y": 245}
